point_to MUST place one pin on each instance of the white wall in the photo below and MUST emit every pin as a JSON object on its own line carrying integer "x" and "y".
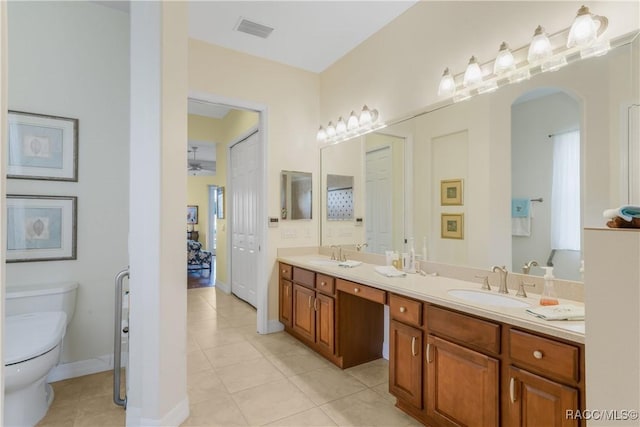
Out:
{"x": 71, "y": 59}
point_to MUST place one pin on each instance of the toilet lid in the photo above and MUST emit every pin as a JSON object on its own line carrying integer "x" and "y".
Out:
{"x": 29, "y": 335}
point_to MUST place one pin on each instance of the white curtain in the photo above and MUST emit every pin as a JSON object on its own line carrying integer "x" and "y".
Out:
{"x": 565, "y": 192}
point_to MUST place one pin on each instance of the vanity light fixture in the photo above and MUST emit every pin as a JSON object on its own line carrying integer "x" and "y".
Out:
{"x": 473, "y": 75}
{"x": 447, "y": 84}
{"x": 544, "y": 53}
{"x": 341, "y": 127}
{"x": 354, "y": 126}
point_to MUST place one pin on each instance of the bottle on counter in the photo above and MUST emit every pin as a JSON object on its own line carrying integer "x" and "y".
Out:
{"x": 549, "y": 296}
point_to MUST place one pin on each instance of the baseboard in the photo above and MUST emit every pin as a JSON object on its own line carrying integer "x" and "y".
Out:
{"x": 274, "y": 326}
{"x": 174, "y": 417}
{"x": 64, "y": 371}
{"x": 224, "y": 287}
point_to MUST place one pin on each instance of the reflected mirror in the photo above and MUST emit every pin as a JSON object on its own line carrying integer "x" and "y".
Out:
{"x": 473, "y": 141}
{"x": 339, "y": 198}
{"x": 295, "y": 195}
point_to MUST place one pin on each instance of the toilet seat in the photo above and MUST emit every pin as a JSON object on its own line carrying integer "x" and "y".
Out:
{"x": 31, "y": 335}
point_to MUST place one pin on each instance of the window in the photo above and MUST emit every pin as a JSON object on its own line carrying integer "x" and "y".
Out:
{"x": 565, "y": 192}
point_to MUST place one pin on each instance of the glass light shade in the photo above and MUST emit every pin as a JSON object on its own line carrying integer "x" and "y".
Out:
{"x": 554, "y": 64}
{"x": 331, "y": 130}
{"x": 365, "y": 116}
{"x": 540, "y": 47}
{"x": 322, "y": 135}
{"x": 504, "y": 61}
{"x": 374, "y": 115}
{"x": 352, "y": 122}
{"x": 586, "y": 28}
{"x": 473, "y": 75}
{"x": 447, "y": 85}
{"x": 341, "y": 127}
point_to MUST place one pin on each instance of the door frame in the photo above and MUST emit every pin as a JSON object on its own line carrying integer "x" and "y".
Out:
{"x": 262, "y": 291}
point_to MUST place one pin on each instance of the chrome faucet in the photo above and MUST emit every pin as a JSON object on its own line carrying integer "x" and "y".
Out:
{"x": 527, "y": 267}
{"x": 503, "y": 278}
{"x": 361, "y": 245}
{"x": 333, "y": 253}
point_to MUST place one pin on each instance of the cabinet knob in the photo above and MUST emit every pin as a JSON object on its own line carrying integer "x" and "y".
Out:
{"x": 322, "y": 283}
{"x": 537, "y": 354}
{"x": 403, "y": 309}
{"x": 284, "y": 271}
{"x": 356, "y": 290}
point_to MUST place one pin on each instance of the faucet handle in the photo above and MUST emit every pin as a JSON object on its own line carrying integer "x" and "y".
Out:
{"x": 521, "y": 291}
{"x": 485, "y": 282}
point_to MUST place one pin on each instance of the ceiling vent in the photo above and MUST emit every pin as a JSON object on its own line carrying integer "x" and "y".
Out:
{"x": 253, "y": 28}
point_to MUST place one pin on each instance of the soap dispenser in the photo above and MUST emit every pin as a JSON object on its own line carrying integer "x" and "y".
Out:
{"x": 549, "y": 292}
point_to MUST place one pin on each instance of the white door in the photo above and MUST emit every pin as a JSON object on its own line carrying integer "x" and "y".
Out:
{"x": 243, "y": 196}
{"x": 379, "y": 219}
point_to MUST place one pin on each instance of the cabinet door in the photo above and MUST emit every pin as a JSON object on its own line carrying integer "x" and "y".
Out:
{"x": 462, "y": 385}
{"x": 537, "y": 401}
{"x": 405, "y": 363}
{"x": 324, "y": 306}
{"x": 286, "y": 302}
{"x": 304, "y": 316}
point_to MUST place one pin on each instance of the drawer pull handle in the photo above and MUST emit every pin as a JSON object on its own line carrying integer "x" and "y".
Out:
{"x": 310, "y": 301}
{"x": 403, "y": 309}
{"x": 537, "y": 354}
{"x": 428, "y": 351}
{"x": 315, "y": 305}
{"x": 413, "y": 346}
{"x": 356, "y": 290}
{"x": 512, "y": 390}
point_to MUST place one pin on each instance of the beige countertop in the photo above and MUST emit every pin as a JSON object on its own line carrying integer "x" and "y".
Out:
{"x": 434, "y": 289}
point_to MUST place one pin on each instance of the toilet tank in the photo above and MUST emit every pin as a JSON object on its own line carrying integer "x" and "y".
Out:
{"x": 59, "y": 296}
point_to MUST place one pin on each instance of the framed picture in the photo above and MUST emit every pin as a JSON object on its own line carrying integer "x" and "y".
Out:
{"x": 451, "y": 192}
{"x": 41, "y": 228}
{"x": 42, "y": 147}
{"x": 452, "y": 226}
{"x": 220, "y": 202}
{"x": 192, "y": 214}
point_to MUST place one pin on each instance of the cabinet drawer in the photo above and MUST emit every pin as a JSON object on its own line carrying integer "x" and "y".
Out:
{"x": 325, "y": 284}
{"x": 362, "y": 291}
{"x": 468, "y": 330}
{"x": 546, "y": 356}
{"x": 285, "y": 271}
{"x": 304, "y": 277}
{"x": 405, "y": 310}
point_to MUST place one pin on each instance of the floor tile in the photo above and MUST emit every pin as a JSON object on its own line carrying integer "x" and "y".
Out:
{"x": 297, "y": 362}
{"x": 371, "y": 373}
{"x": 197, "y": 362}
{"x": 248, "y": 374}
{"x": 312, "y": 417}
{"x": 205, "y": 385}
{"x": 327, "y": 384}
{"x": 383, "y": 390}
{"x": 270, "y": 402}
{"x": 231, "y": 354}
{"x": 220, "y": 411}
{"x": 366, "y": 408}
{"x": 218, "y": 338}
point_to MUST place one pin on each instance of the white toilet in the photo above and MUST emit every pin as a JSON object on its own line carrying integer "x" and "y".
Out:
{"x": 36, "y": 322}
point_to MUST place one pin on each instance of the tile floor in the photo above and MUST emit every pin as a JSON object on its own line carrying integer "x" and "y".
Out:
{"x": 239, "y": 378}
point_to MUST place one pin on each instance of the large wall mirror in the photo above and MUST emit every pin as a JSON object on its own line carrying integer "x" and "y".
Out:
{"x": 501, "y": 148}
{"x": 295, "y": 195}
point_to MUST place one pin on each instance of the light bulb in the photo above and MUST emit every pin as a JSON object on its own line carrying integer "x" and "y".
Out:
{"x": 331, "y": 130}
{"x": 352, "y": 122}
{"x": 447, "y": 84}
{"x": 365, "y": 116}
{"x": 341, "y": 127}
{"x": 322, "y": 135}
{"x": 504, "y": 61}
{"x": 473, "y": 75}
{"x": 540, "y": 47}
{"x": 586, "y": 28}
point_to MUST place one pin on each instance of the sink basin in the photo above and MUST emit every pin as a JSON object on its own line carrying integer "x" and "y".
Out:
{"x": 324, "y": 261}
{"x": 485, "y": 298}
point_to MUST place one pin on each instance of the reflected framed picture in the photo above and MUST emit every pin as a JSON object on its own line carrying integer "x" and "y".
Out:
{"x": 41, "y": 228}
{"x": 220, "y": 202}
{"x": 452, "y": 226}
{"x": 192, "y": 214}
{"x": 451, "y": 192}
{"x": 42, "y": 147}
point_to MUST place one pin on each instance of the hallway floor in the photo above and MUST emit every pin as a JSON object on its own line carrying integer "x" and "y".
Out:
{"x": 239, "y": 378}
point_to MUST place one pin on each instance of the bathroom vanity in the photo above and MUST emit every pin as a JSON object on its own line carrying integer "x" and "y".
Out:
{"x": 451, "y": 362}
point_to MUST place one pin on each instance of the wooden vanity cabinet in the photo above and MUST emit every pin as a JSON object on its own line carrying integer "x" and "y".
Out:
{"x": 285, "y": 295}
{"x": 405, "y": 363}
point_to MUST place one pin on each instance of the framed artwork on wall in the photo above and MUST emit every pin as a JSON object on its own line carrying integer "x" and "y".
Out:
{"x": 220, "y": 202}
{"x": 192, "y": 214}
{"x": 451, "y": 192}
{"x": 452, "y": 226}
{"x": 41, "y": 228}
{"x": 42, "y": 147}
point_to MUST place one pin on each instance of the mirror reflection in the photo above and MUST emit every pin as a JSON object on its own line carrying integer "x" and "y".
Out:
{"x": 499, "y": 147}
{"x": 339, "y": 198}
{"x": 295, "y": 195}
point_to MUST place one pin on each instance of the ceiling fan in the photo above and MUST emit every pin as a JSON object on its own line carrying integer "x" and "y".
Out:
{"x": 194, "y": 166}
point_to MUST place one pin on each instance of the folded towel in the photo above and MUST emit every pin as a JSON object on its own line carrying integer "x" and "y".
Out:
{"x": 558, "y": 312}
{"x": 625, "y": 212}
{"x": 349, "y": 264}
{"x": 389, "y": 271}
{"x": 521, "y": 227}
{"x": 520, "y": 208}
